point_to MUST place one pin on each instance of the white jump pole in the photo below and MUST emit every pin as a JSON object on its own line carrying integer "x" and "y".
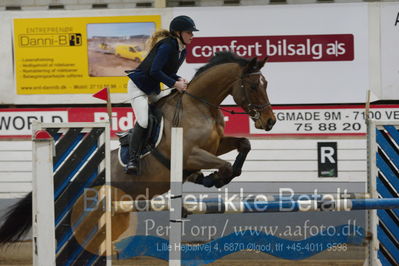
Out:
{"x": 176, "y": 185}
{"x": 42, "y": 195}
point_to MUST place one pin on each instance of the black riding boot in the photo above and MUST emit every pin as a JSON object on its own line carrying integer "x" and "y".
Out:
{"x": 135, "y": 144}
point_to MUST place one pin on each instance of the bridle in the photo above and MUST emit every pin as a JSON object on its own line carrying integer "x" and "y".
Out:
{"x": 253, "y": 109}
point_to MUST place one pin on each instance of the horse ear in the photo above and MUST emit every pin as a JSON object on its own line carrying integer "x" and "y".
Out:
{"x": 251, "y": 66}
{"x": 262, "y": 62}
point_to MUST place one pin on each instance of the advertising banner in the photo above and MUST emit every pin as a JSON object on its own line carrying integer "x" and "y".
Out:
{"x": 78, "y": 54}
{"x": 317, "y": 54}
{"x": 338, "y": 120}
{"x": 292, "y": 121}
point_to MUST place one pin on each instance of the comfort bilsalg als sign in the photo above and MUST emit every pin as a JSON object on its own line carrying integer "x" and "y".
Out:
{"x": 291, "y": 48}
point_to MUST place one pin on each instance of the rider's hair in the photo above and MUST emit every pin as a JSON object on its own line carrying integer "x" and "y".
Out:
{"x": 158, "y": 36}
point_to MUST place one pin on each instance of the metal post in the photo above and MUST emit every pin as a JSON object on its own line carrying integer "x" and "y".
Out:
{"x": 371, "y": 189}
{"x": 108, "y": 194}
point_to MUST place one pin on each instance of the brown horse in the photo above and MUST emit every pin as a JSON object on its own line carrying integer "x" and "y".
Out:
{"x": 203, "y": 132}
{"x": 203, "y": 125}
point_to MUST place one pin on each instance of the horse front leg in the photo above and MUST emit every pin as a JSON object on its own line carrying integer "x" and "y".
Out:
{"x": 226, "y": 173}
{"x": 202, "y": 159}
{"x": 243, "y": 147}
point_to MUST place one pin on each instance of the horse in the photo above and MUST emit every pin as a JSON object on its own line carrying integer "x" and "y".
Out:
{"x": 199, "y": 113}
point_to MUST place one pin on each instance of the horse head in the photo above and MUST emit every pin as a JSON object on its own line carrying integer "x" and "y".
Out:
{"x": 249, "y": 92}
{"x": 227, "y": 73}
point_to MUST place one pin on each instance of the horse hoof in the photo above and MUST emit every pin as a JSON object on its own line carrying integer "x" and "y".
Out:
{"x": 219, "y": 184}
{"x": 236, "y": 173}
{"x": 209, "y": 180}
{"x": 199, "y": 179}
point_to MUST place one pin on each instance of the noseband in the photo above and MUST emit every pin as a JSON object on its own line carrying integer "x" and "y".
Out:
{"x": 254, "y": 110}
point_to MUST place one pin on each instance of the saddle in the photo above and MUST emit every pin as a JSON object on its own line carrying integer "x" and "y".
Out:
{"x": 151, "y": 139}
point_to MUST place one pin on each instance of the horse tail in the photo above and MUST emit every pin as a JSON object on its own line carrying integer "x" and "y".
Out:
{"x": 18, "y": 221}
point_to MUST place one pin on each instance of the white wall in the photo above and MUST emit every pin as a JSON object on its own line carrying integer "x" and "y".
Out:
{"x": 289, "y": 82}
{"x": 15, "y": 168}
{"x": 390, "y": 50}
{"x": 270, "y": 160}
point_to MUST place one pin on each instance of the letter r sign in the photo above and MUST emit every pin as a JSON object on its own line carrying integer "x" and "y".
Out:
{"x": 327, "y": 161}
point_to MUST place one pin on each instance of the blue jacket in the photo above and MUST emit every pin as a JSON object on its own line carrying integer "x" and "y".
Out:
{"x": 160, "y": 65}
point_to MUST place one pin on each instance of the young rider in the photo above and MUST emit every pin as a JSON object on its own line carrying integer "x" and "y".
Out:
{"x": 167, "y": 53}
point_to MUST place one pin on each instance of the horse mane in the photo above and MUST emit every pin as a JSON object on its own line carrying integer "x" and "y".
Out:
{"x": 222, "y": 58}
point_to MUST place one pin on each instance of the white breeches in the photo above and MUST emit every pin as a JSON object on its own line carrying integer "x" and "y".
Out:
{"x": 139, "y": 101}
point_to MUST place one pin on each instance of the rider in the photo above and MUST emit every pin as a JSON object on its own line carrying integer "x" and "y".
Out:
{"x": 167, "y": 53}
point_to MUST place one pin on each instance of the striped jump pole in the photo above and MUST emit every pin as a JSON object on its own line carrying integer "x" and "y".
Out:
{"x": 67, "y": 159}
{"x": 219, "y": 206}
{"x": 383, "y": 183}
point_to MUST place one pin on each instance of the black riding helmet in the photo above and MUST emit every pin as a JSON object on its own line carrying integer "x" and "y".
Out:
{"x": 182, "y": 23}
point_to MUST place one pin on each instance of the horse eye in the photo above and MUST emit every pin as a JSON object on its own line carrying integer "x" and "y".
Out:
{"x": 254, "y": 86}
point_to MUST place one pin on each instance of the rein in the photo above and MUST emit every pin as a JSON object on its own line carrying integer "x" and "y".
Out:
{"x": 214, "y": 105}
{"x": 254, "y": 109}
